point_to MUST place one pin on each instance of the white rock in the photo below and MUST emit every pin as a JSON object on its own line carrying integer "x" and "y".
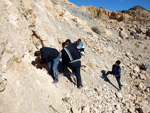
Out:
{"x": 142, "y": 86}
{"x": 142, "y": 76}
{"x": 117, "y": 111}
{"x": 136, "y": 69}
{"x": 119, "y": 95}
{"x": 123, "y": 34}
{"x": 86, "y": 109}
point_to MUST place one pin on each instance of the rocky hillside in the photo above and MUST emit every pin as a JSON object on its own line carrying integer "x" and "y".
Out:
{"x": 28, "y": 25}
{"x": 138, "y": 8}
{"x": 135, "y": 15}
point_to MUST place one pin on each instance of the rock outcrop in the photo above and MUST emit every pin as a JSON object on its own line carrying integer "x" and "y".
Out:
{"x": 28, "y": 25}
{"x": 135, "y": 15}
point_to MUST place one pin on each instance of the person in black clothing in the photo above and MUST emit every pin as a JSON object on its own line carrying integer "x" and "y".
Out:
{"x": 71, "y": 57}
{"x": 63, "y": 62}
{"x": 116, "y": 71}
{"x": 47, "y": 56}
{"x": 68, "y": 41}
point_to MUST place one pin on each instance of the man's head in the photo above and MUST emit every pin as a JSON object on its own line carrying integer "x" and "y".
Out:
{"x": 63, "y": 45}
{"x": 37, "y": 53}
{"x": 68, "y": 41}
{"x": 78, "y": 41}
{"x": 118, "y": 62}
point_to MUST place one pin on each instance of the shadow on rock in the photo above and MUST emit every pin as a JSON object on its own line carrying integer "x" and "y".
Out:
{"x": 106, "y": 79}
{"x": 37, "y": 63}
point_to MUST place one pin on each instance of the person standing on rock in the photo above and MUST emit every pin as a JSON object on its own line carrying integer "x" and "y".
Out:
{"x": 71, "y": 57}
{"x": 116, "y": 71}
{"x": 47, "y": 56}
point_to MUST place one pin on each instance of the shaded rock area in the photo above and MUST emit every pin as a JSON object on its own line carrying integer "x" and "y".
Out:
{"x": 28, "y": 25}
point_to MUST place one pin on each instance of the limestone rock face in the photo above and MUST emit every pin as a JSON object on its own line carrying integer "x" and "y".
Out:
{"x": 28, "y": 25}
{"x": 129, "y": 16}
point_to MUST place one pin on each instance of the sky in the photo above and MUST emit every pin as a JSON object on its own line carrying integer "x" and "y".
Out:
{"x": 113, "y": 5}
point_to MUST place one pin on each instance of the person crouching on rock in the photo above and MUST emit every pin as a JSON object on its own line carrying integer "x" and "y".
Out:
{"x": 47, "y": 55}
{"x": 116, "y": 71}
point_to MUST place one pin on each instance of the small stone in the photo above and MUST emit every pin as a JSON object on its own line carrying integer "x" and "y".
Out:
{"x": 137, "y": 36}
{"x": 123, "y": 34}
{"x": 119, "y": 95}
{"x": 138, "y": 100}
{"x": 138, "y": 30}
{"x": 142, "y": 76}
{"x": 86, "y": 109}
{"x": 136, "y": 69}
{"x": 131, "y": 110}
{"x": 74, "y": 110}
{"x": 118, "y": 111}
{"x": 142, "y": 87}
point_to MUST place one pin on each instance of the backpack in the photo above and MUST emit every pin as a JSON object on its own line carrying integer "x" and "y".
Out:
{"x": 143, "y": 67}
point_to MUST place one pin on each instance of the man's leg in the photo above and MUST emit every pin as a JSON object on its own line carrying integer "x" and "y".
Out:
{"x": 55, "y": 66}
{"x": 119, "y": 83}
{"x": 76, "y": 67}
{"x": 109, "y": 72}
{"x": 78, "y": 76}
{"x": 50, "y": 71}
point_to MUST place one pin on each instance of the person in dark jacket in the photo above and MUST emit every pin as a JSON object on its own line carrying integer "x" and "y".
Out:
{"x": 116, "y": 71}
{"x": 47, "y": 56}
{"x": 71, "y": 57}
{"x": 68, "y": 41}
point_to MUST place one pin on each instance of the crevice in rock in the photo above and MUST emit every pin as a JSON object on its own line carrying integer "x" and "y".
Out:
{"x": 25, "y": 16}
{"x": 38, "y": 37}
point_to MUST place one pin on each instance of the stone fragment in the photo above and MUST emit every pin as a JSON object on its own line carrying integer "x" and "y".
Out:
{"x": 117, "y": 111}
{"x": 142, "y": 76}
{"x": 119, "y": 95}
{"x": 123, "y": 34}
{"x": 75, "y": 110}
{"x": 86, "y": 109}
{"x": 138, "y": 30}
{"x": 141, "y": 86}
{"x": 136, "y": 69}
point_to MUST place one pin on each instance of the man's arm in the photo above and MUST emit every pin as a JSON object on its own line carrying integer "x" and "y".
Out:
{"x": 119, "y": 72}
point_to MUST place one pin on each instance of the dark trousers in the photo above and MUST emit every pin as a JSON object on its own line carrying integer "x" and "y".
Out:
{"x": 76, "y": 68}
{"x": 117, "y": 78}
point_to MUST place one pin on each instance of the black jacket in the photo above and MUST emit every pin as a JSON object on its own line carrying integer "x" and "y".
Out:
{"x": 48, "y": 54}
{"x": 116, "y": 70}
{"x": 70, "y": 53}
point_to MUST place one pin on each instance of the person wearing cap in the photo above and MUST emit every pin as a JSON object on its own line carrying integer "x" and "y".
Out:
{"x": 80, "y": 47}
{"x": 116, "y": 71}
{"x": 49, "y": 55}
